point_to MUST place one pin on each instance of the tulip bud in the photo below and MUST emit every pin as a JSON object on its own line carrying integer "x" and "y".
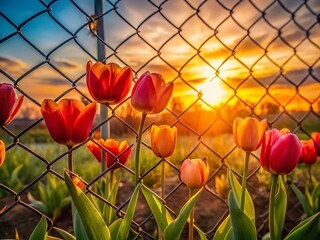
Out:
{"x": 316, "y": 138}
{"x": 308, "y": 153}
{"x": 163, "y": 140}
{"x": 150, "y": 94}
{"x": 249, "y": 133}
{"x": 221, "y": 185}
{"x": 76, "y": 181}
{"x": 2, "y": 152}
{"x": 194, "y": 173}
{"x": 109, "y": 83}
{"x": 9, "y": 103}
{"x": 280, "y": 152}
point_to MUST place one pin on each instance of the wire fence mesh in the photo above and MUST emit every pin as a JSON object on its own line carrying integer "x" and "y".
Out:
{"x": 226, "y": 58}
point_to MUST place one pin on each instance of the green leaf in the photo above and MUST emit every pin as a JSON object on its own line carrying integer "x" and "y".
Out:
{"x": 52, "y": 238}
{"x": 91, "y": 219}
{"x": 159, "y": 211}
{"x": 174, "y": 229}
{"x": 64, "y": 234}
{"x": 109, "y": 214}
{"x": 114, "y": 228}
{"x": 316, "y": 199}
{"x": 302, "y": 199}
{"x": 39, "y": 233}
{"x": 126, "y": 221}
{"x": 202, "y": 235}
{"x": 308, "y": 229}
{"x": 224, "y": 228}
{"x": 266, "y": 236}
{"x": 280, "y": 208}
{"x": 236, "y": 188}
{"x": 79, "y": 231}
{"x": 15, "y": 173}
{"x": 242, "y": 226}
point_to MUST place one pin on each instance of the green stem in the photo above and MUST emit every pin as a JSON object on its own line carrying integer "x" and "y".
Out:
{"x": 274, "y": 182}
{"x": 162, "y": 193}
{"x": 244, "y": 181}
{"x": 310, "y": 175}
{"x": 137, "y": 155}
{"x": 70, "y": 163}
{"x": 191, "y": 217}
{"x": 104, "y": 133}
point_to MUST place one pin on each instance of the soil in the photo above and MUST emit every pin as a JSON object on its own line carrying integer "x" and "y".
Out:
{"x": 209, "y": 212}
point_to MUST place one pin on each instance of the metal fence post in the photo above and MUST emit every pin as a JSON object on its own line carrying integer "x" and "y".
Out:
{"x": 105, "y": 128}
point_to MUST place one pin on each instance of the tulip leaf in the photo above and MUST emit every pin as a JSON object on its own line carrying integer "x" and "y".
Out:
{"x": 307, "y": 229}
{"x": 174, "y": 229}
{"x": 124, "y": 228}
{"x": 316, "y": 199}
{"x": 90, "y": 217}
{"x": 108, "y": 212}
{"x": 302, "y": 199}
{"x": 158, "y": 210}
{"x": 52, "y": 238}
{"x": 236, "y": 188}
{"x": 64, "y": 234}
{"x": 202, "y": 235}
{"x": 114, "y": 228}
{"x": 266, "y": 236}
{"x": 280, "y": 208}
{"x": 79, "y": 231}
{"x": 40, "y": 232}
{"x": 224, "y": 230}
{"x": 242, "y": 226}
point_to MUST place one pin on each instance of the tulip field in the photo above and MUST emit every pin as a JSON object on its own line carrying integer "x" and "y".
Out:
{"x": 160, "y": 120}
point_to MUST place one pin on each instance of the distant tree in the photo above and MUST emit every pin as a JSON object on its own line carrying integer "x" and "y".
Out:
{"x": 269, "y": 108}
{"x": 177, "y": 105}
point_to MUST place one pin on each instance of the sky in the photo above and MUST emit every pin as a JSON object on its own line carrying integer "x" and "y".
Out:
{"x": 216, "y": 48}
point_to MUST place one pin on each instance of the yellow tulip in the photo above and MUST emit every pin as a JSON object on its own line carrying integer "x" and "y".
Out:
{"x": 163, "y": 140}
{"x": 2, "y": 152}
{"x": 249, "y": 133}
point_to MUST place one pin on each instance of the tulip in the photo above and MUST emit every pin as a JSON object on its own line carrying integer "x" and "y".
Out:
{"x": 249, "y": 133}
{"x": 114, "y": 147}
{"x": 163, "y": 140}
{"x": 9, "y": 103}
{"x": 69, "y": 122}
{"x": 77, "y": 182}
{"x": 2, "y": 152}
{"x": 221, "y": 185}
{"x": 316, "y": 138}
{"x": 109, "y": 83}
{"x": 308, "y": 153}
{"x": 150, "y": 94}
{"x": 194, "y": 173}
{"x": 280, "y": 152}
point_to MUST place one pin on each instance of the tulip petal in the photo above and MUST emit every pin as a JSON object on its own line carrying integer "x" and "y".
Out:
{"x": 285, "y": 154}
{"x": 8, "y": 102}
{"x": 235, "y": 127}
{"x": 248, "y": 134}
{"x": 122, "y": 85}
{"x": 83, "y": 123}
{"x": 143, "y": 96}
{"x": 92, "y": 77}
{"x": 95, "y": 149}
{"x": 154, "y": 139}
{"x": 2, "y": 152}
{"x": 163, "y": 100}
{"x": 54, "y": 120}
{"x": 16, "y": 108}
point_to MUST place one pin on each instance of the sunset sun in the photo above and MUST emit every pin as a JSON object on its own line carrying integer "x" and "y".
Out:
{"x": 213, "y": 92}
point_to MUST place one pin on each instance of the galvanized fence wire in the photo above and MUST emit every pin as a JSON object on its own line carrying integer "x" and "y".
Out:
{"x": 114, "y": 52}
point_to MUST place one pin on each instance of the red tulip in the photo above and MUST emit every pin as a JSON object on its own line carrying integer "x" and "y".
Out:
{"x": 194, "y": 173}
{"x": 69, "y": 121}
{"x": 109, "y": 83}
{"x": 9, "y": 103}
{"x": 280, "y": 152}
{"x": 151, "y": 94}
{"x": 114, "y": 147}
{"x": 308, "y": 153}
{"x": 316, "y": 138}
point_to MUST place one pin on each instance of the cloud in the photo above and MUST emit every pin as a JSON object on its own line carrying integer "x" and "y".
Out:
{"x": 13, "y": 67}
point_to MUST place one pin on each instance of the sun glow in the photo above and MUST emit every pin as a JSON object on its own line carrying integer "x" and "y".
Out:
{"x": 213, "y": 92}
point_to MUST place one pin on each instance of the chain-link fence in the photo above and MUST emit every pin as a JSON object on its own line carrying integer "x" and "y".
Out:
{"x": 226, "y": 58}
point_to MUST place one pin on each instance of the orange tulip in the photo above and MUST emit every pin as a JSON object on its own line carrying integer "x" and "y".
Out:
{"x": 150, "y": 94}
{"x": 194, "y": 173}
{"x": 108, "y": 83}
{"x": 76, "y": 181}
{"x": 2, "y": 152}
{"x": 69, "y": 121}
{"x": 308, "y": 153}
{"x": 280, "y": 152}
{"x": 163, "y": 140}
{"x": 114, "y": 148}
{"x": 316, "y": 138}
{"x": 249, "y": 133}
{"x": 9, "y": 103}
